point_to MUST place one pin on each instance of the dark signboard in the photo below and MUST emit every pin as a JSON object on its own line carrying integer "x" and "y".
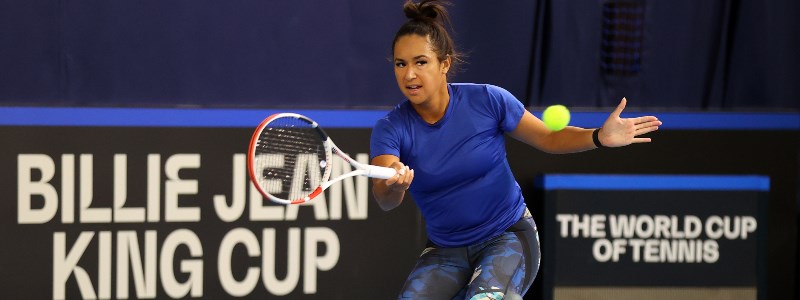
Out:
{"x": 615, "y": 234}
{"x": 161, "y": 212}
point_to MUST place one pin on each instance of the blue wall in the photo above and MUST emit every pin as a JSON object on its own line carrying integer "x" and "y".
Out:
{"x": 715, "y": 55}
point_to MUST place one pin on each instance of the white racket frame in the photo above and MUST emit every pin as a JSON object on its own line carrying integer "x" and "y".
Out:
{"x": 330, "y": 149}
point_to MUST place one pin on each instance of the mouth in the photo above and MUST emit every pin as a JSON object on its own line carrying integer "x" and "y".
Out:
{"x": 413, "y": 89}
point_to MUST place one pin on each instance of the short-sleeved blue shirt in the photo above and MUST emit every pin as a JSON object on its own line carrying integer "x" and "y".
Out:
{"x": 462, "y": 184}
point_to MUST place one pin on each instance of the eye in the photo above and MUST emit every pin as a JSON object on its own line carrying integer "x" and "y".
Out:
{"x": 422, "y": 62}
{"x": 399, "y": 64}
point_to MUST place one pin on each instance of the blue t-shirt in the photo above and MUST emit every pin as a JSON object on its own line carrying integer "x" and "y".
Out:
{"x": 462, "y": 184}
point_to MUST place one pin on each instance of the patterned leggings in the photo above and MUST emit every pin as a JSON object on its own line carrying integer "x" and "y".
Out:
{"x": 494, "y": 269}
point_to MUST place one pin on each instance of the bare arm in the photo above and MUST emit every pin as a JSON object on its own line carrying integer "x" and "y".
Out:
{"x": 616, "y": 132}
{"x": 389, "y": 193}
{"x": 532, "y": 131}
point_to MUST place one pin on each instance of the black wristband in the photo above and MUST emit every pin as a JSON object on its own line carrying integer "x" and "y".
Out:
{"x": 596, "y": 138}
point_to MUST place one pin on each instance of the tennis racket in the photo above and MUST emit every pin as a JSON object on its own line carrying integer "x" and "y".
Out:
{"x": 290, "y": 159}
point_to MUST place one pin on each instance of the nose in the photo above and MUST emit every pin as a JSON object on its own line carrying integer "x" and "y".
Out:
{"x": 410, "y": 74}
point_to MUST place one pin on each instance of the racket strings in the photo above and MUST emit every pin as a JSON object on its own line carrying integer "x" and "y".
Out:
{"x": 289, "y": 152}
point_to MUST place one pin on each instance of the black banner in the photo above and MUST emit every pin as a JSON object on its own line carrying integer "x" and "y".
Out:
{"x": 99, "y": 212}
{"x": 654, "y": 237}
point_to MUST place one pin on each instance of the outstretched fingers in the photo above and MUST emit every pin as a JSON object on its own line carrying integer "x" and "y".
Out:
{"x": 619, "y": 131}
{"x": 644, "y": 125}
{"x": 645, "y": 119}
{"x": 647, "y": 126}
{"x": 645, "y": 130}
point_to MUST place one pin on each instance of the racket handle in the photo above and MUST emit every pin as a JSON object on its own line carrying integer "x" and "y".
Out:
{"x": 380, "y": 172}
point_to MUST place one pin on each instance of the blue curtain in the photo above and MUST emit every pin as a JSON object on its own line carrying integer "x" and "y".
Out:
{"x": 710, "y": 55}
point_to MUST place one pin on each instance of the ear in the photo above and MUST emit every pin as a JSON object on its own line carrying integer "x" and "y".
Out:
{"x": 445, "y": 65}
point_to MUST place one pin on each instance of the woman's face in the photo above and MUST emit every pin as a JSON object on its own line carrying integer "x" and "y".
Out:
{"x": 419, "y": 73}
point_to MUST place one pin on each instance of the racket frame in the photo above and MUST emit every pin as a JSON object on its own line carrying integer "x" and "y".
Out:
{"x": 330, "y": 149}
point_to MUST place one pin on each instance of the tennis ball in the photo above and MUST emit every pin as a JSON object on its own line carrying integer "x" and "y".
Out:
{"x": 556, "y": 117}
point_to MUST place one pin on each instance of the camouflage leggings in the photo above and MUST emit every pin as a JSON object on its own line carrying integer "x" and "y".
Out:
{"x": 494, "y": 269}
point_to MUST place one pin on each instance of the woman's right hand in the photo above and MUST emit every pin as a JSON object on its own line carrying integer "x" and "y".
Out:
{"x": 402, "y": 180}
{"x": 389, "y": 193}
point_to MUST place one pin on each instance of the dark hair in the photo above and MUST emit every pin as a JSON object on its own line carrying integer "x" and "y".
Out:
{"x": 427, "y": 19}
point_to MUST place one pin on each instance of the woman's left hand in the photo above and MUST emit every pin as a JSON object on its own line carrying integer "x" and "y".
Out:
{"x": 618, "y": 132}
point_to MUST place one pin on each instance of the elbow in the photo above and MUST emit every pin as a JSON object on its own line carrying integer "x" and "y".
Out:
{"x": 549, "y": 148}
{"x": 385, "y": 204}
{"x": 385, "y": 207}
{"x": 550, "y": 151}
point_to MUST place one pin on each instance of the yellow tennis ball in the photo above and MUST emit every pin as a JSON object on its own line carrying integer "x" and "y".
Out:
{"x": 556, "y": 117}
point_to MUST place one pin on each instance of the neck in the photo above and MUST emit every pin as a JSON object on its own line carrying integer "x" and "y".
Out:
{"x": 433, "y": 110}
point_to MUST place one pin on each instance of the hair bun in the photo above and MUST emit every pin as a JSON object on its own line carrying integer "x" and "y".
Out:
{"x": 426, "y": 10}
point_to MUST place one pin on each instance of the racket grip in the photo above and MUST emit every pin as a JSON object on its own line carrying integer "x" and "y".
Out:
{"x": 380, "y": 172}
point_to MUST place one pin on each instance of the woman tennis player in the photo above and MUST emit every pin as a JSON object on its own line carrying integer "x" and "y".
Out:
{"x": 446, "y": 142}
